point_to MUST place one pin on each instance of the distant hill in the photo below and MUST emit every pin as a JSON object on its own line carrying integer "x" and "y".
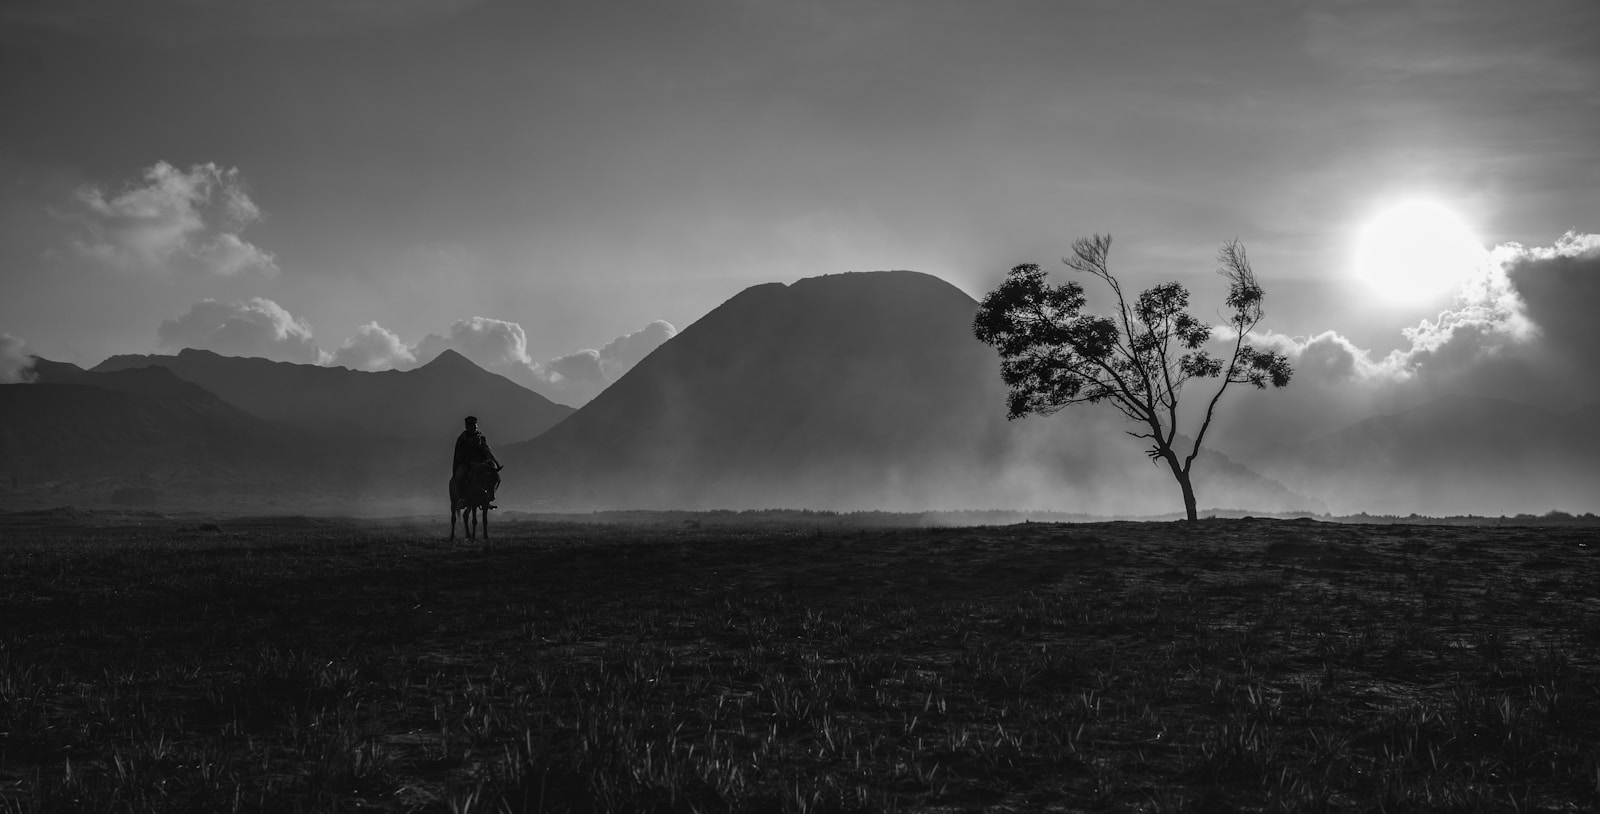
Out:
{"x": 155, "y": 382}
{"x": 426, "y": 403}
{"x": 849, "y": 391}
{"x": 146, "y": 425}
{"x": 1455, "y": 455}
{"x": 97, "y": 435}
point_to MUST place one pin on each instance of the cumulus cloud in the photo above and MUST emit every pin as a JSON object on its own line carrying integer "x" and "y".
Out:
{"x": 16, "y": 364}
{"x": 1522, "y": 329}
{"x": 1326, "y": 357}
{"x": 501, "y": 347}
{"x": 373, "y": 347}
{"x": 607, "y": 364}
{"x": 253, "y": 327}
{"x": 579, "y": 377}
{"x": 494, "y": 344}
{"x": 1559, "y": 288}
{"x": 621, "y": 354}
{"x": 1530, "y": 303}
{"x": 173, "y": 221}
{"x": 574, "y": 369}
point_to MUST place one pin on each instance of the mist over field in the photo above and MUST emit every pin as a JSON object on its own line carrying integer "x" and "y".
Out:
{"x": 847, "y": 392}
{"x": 927, "y": 406}
{"x": 349, "y": 227}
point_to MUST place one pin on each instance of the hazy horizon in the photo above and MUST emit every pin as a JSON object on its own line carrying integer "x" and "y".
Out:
{"x": 733, "y": 414}
{"x": 556, "y": 190}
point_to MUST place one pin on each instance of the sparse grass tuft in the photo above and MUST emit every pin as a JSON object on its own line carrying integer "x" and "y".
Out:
{"x": 718, "y": 667}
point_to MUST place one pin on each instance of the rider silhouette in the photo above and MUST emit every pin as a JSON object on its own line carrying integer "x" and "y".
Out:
{"x": 471, "y": 447}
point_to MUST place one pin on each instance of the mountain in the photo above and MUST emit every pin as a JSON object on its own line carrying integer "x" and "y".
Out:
{"x": 144, "y": 425}
{"x": 850, "y": 391}
{"x": 426, "y": 403}
{"x": 156, "y": 382}
{"x": 1455, "y": 455}
{"x": 98, "y": 435}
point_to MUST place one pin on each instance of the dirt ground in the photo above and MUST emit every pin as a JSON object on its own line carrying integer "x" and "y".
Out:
{"x": 167, "y": 661}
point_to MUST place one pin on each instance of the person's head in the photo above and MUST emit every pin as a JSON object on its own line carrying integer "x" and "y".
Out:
{"x": 472, "y": 422}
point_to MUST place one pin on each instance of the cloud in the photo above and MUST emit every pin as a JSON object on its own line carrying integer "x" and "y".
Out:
{"x": 373, "y": 347}
{"x": 574, "y": 369}
{"x": 501, "y": 347}
{"x": 621, "y": 354}
{"x": 579, "y": 377}
{"x": 261, "y": 327}
{"x": 607, "y": 364}
{"x": 1327, "y": 357}
{"x": 1533, "y": 304}
{"x": 16, "y": 364}
{"x": 1559, "y": 288}
{"x": 1523, "y": 329}
{"x": 495, "y": 344}
{"x": 254, "y": 327}
{"x": 175, "y": 221}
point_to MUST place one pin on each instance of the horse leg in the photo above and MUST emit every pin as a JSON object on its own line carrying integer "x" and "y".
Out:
{"x": 486, "y": 523}
{"x": 453, "y": 510}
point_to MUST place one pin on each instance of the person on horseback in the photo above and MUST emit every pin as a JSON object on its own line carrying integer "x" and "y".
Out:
{"x": 471, "y": 447}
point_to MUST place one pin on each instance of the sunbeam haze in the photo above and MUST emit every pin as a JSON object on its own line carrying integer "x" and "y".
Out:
{"x": 853, "y": 405}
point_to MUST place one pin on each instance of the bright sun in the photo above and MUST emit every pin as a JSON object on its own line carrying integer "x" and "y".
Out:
{"x": 1416, "y": 251}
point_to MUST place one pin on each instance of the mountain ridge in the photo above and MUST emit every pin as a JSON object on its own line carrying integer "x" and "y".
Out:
{"x": 127, "y": 425}
{"x": 143, "y": 425}
{"x": 846, "y": 391}
{"x": 418, "y": 404}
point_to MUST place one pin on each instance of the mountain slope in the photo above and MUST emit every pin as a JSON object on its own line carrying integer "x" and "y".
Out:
{"x": 850, "y": 391}
{"x": 146, "y": 424}
{"x": 1453, "y": 455}
{"x": 426, "y": 403}
{"x": 84, "y": 435}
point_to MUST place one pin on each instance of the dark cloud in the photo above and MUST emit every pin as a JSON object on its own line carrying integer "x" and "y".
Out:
{"x": 1560, "y": 293}
{"x": 172, "y": 221}
{"x": 373, "y": 347}
{"x": 254, "y": 327}
{"x": 15, "y": 362}
{"x": 1523, "y": 329}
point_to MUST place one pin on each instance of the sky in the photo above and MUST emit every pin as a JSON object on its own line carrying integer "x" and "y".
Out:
{"x": 555, "y": 188}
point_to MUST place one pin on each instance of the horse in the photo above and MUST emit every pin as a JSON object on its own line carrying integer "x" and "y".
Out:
{"x": 473, "y": 491}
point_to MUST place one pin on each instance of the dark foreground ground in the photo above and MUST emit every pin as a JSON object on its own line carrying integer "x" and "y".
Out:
{"x": 180, "y": 663}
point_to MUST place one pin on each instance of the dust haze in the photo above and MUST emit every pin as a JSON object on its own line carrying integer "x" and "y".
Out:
{"x": 861, "y": 391}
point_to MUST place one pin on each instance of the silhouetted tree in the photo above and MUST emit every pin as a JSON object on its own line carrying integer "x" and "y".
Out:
{"x": 1052, "y": 354}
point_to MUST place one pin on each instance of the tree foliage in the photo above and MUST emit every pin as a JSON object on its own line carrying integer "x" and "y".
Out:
{"x": 1139, "y": 359}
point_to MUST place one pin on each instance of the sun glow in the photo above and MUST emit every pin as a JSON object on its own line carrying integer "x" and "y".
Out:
{"x": 1416, "y": 251}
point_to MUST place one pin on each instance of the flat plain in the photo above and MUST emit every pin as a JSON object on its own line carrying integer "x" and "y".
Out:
{"x": 794, "y": 662}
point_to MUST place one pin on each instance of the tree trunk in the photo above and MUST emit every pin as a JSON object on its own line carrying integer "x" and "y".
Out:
{"x": 1183, "y": 482}
{"x": 1188, "y": 495}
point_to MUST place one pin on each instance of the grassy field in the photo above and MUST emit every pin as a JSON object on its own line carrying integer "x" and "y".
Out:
{"x": 744, "y": 663}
